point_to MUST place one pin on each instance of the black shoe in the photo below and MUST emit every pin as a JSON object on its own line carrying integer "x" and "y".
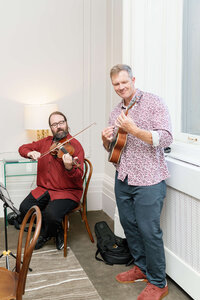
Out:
{"x": 60, "y": 239}
{"x": 41, "y": 242}
{"x": 11, "y": 217}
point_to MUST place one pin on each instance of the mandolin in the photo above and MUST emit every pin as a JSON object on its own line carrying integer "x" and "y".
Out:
{"x": 120, "y": 138}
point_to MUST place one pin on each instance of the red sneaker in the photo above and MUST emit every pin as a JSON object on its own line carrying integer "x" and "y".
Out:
{"x": 132, "y": 275}
{"x": 152, "y": 292}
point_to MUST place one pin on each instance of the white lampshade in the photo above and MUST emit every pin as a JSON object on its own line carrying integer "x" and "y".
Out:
{"x": 36, "y": 115}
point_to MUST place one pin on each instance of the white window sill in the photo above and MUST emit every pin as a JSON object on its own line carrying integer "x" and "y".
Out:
{"x": 187, "y": 153}
{"x": 184, "y": 167}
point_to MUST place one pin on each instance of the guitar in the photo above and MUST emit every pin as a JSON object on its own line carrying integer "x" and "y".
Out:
{"x": 120, "y": 139}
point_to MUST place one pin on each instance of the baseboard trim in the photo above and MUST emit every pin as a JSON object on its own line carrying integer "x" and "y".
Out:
{"x": 100, "y": 194}
{"x": 108, "y": 196}
{"x": 94, "y": 196}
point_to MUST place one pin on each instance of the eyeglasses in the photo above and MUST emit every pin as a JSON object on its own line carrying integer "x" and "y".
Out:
{"x": 55, "y": 125}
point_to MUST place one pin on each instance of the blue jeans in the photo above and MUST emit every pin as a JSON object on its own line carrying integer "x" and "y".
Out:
{"x": 139, "y": 211}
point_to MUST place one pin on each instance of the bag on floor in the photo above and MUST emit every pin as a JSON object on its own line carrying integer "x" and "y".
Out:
{"x": 111, "y": 248}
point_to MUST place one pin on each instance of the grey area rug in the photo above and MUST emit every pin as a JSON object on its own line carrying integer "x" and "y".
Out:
{"x": 56, "y": 277}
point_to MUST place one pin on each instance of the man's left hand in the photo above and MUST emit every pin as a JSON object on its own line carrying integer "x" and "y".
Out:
{"x": 67, "y": 160}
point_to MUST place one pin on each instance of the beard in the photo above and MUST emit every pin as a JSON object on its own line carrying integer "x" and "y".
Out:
{"x": 59, "y": 135}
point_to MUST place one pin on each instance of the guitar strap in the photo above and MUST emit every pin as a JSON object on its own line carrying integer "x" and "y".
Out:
{"x": 126, "y": 112}
{"x": 132, "y": 103}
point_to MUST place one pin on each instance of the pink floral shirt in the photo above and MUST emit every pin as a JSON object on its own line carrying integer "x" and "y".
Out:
{"x": 145, "y": 164}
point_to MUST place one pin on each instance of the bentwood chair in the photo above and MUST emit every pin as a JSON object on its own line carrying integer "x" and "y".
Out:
{"x": 82, "y": 208}
{"x": 12, "y": 283}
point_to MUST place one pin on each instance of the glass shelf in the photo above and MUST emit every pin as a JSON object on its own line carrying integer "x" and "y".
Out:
{"x": 19, "y": 168}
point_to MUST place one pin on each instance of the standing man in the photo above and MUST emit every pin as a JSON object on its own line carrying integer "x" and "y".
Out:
{"x": 59, "y": 180}
{"x": 141, "y": 171}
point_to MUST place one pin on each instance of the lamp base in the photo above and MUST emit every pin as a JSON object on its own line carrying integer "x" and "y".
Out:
{"x": 41, "y": 134}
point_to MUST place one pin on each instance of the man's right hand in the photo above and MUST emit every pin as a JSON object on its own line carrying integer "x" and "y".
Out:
{"x": 107, "y": 136}
{"x": 34, "y": 155}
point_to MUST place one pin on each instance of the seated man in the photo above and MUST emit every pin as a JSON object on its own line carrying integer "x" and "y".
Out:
{"x": 59, "y": 180}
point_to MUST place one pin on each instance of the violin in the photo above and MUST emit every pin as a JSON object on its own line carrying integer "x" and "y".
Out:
{"x": 58, "y": 149}
{"x": 63, "y": 147}
{"x": 64, "y": 141}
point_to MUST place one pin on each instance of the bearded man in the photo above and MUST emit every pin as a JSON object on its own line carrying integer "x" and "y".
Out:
{"x": 59, "y": 181}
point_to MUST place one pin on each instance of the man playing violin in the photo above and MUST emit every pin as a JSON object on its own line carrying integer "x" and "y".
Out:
{"x": 141, "y": 171}
{"x": 59, "y": 180}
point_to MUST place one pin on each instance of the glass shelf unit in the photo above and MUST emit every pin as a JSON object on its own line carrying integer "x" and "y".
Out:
{"x": 19, "y": 168}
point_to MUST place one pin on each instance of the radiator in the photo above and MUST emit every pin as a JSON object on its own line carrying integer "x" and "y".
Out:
{"x": 180, "y": 221}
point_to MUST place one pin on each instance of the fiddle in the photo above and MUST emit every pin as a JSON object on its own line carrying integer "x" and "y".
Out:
{"x": 64, "y": 142}
{"x": 62, "y": 147}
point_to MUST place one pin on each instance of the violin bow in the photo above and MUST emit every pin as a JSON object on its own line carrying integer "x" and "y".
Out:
{"x": 67, "y": 141}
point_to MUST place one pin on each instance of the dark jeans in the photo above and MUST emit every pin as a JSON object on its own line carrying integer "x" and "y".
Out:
{"x": 53, "y": 212}
{"x": 139, "y": 211}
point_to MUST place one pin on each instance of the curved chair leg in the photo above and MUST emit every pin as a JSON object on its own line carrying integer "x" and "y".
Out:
{"x": 88, "y": 229}
{"x": 65, "y": 234}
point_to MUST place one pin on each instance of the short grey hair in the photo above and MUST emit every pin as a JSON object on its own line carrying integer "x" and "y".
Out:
{"x": 121, "y": 67}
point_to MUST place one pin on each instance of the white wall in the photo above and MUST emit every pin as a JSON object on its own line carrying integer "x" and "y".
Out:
{"x": 38, "y": 52}
{"x": 114, "y": 56}
{"x": 152, "y": 45}
{"x": 52, "y": 51}
{"x": 55, "y": 51}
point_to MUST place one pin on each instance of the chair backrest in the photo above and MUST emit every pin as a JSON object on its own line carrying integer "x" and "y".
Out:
{"x": 86, "y": 180}
{"x": 32, "y": 216}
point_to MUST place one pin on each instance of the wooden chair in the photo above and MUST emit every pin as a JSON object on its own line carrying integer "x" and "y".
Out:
{"x": 12, "y": 283}
{"x": 82, "y": 208}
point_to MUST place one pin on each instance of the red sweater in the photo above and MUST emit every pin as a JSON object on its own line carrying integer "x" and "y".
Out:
{"x": 51, "y": 173}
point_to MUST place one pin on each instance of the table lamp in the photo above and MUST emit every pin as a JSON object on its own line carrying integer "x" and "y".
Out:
{"x": 36, "y": 118}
